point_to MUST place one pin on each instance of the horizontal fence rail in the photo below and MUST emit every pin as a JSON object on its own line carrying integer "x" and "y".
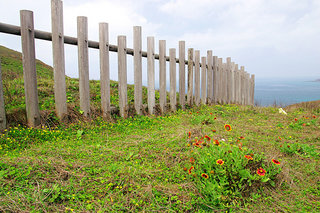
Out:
{"x": 210, "y": 80}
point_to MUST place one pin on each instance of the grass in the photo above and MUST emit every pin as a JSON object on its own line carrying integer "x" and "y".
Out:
{"x": 141, "y": 164}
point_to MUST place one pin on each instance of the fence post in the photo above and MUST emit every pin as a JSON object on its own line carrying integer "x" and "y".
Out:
{"x": 233, "y": 77}
{"x": 203, "y": 80}
{"x": 236, "y": 83}
{"x": 173, "y": 98}
{"x": 190, "y": 77}
{"x": 104, "y": 69}
{"x": 221, "y": 87}
{"x": 229, "y": 80}
{"x": 162, "y": 77}
{"x": 242, "y": 85}
{"x": 216, "y": 77}
{"x": 252, "y": 89}
{"x": 137, "y": 60}
{"x": 29, "y": 68}
{"x": 83, "y": 62}
{"x": 197, "y": 77}
{"x": 3, "y": 120}
{"x": 151, "y": 92}
{"x": 58, "y": 58}
{"x": 210, "y": 77}
{"x": 246, "y": 97}
{"x": 182, "y": 76}
{"x": 122, "y": 75}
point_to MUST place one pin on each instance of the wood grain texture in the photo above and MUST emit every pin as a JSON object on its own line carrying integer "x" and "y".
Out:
{"x": 151, "y": 75}
{"x": 122, "y": 76}
{"x": 104, "y": 69}
{"x": 162, "y": 77}
{"x": 182, "y": 75}
{"x": 173, "y": 96}
{"x": 29, "y": 68}
{"x": 190, "y": 77}
{"x": 58, "y": 59}
{"x": 137, "y": 61}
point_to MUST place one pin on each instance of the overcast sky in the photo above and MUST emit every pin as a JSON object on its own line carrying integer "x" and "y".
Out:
{"x": 271, "y": 38}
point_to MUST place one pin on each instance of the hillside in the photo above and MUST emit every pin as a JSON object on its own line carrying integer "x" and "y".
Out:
{"x": 12, "y": 75}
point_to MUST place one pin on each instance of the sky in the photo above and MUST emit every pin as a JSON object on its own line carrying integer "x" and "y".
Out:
{"x": 271, "y": 38}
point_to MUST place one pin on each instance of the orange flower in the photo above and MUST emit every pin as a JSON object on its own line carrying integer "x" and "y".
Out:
{"x": 207, "y": 137}
{"x": 214, "y": 130}
{"x": 211, "y": 172}
{"x": 189, "y": 171}
{"x": 205, "y": 176}
{"x": 303, "y": 124}
{"x": 296, "y": 119}
{"x": 248, "y": 157}
{"x": 227, "y": 127}
{"x": 210, "y": 113}
{"x": 314, "y": 116}
{"x": 215, "y": 118}
{"x": 192, "y": 160}
{"x": 216, "y": 142}
{"x": 261, "y": 171}
{"x": 275, "y": 161}
{"x": 198, "y": 144}
{"x": 189, "y": 134}
{"x": 220, "y": 162}
{"x": 185, "y": 169}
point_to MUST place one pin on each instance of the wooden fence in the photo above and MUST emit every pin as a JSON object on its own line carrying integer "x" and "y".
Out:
{"x": 210, "y": 80}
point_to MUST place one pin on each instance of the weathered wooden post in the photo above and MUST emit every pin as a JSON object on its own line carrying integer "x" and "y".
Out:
{"x": 226, "y": 83}
{"x": 242, "y": 86}
{"x": 58, "y": 58}
{"x": 221, "y": 83}
{"x": 29, "y": 68}
{"x": 122, "y": 75}
{"x": 210, "y": 77}
{"x": 151, "y": 76}
{"x": 216, "y": 77}
{"x": 229, "y": 80}
{"x": 236, "y": 83}
{"x": 190, "y": 77}
{"x": 173, "y": 98}
{"x": 197, "y": 77}
{"x": 182, "y": 76}
{"x": 233, "y": 83}
{"x": 104, "y": 69}
{"x": 3, "y": 120}
{"x": 203, "y": 80}
{"x": 83, "y": 62}
{"x": 247, "y": 75}
{"x": 137, "y": 61}
{"x": 239, "y": 85}
{"x": 252, "y": 89}
{"x": 162, "y": 75}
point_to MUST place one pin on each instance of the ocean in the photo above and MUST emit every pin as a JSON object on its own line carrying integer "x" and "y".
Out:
{"x": 279, "y": 91}
{"x": 284, "y": 92}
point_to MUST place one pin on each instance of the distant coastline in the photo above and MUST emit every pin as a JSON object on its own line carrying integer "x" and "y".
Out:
{"x": 317, "y": 80}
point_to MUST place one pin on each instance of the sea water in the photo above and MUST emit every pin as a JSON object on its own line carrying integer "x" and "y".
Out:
{"x": 283, "y": 92}
{"x": 278, "y": 91}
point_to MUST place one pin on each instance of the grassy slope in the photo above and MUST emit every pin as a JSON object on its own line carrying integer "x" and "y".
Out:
{"x": 12, "y": 75}
{"x": 119, "y": 166}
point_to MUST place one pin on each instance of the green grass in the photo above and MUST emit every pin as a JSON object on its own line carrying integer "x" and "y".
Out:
{"x": 138, "y": 164}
